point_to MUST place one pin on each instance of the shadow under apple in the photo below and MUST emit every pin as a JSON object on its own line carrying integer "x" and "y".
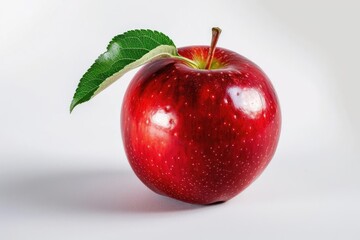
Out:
{"x": 112, "y": 191}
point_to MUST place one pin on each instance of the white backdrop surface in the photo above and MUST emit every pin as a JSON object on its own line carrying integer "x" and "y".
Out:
{"x": 66, "y": 176}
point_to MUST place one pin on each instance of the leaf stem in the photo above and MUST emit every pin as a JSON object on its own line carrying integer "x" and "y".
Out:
{"x": 187, "y": 60}
{"x": 215, "y": 37}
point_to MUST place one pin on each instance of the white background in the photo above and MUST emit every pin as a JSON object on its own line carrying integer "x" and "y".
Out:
{"x": 66, "y": 176}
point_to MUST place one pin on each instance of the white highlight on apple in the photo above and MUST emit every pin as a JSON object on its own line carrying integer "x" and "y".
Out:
{"x": 248, "y": 100}
{"x": 163, "y": 119}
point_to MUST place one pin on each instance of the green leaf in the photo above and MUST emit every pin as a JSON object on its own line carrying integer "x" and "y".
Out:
{"x": 124, "y": 53}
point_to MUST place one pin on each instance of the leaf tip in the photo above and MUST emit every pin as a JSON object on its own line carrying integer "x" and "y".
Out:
{"x": 73, "y": 105}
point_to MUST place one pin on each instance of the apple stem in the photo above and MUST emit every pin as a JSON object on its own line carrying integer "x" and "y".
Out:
{"x": 214, "y": 39}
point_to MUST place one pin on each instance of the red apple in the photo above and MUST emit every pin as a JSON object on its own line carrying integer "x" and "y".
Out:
{"x": 200, "y": 135}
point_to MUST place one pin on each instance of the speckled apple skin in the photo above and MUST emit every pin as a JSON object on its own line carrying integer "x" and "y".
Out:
{"x": 200, "y": 136}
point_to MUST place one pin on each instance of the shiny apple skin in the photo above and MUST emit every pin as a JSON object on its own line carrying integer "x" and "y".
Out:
{"x": 200, "y": 136}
